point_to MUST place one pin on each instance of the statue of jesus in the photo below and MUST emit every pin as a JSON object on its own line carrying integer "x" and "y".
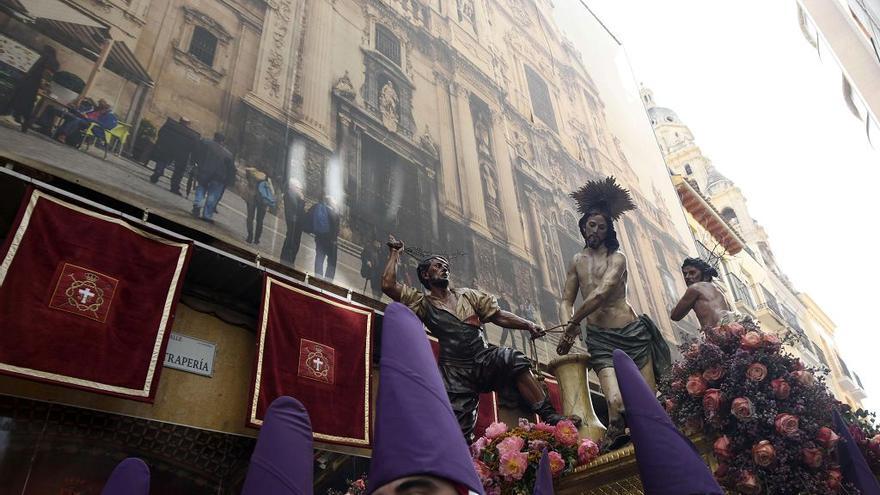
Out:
{"x": 599, "y": 273}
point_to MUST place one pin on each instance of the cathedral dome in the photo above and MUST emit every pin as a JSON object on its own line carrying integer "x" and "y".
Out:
{"x": 660, "y": 115}
{"x": 715, "y": 177}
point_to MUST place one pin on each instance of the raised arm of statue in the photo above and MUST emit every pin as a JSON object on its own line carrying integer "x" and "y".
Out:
{"x": 390, "y": 286}
{"x": 685, "y": 304}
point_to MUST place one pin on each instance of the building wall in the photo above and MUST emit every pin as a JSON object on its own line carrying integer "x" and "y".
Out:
{"x": 766, "y": 294}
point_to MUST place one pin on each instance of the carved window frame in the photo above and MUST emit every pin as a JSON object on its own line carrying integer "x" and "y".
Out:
{"x": 553, "y": 125}
{"x": 193, "y": 18}
{"x": 402, "y": 42}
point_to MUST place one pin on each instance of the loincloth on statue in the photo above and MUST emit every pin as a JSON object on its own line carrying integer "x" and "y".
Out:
{"x": 640, "y": 339}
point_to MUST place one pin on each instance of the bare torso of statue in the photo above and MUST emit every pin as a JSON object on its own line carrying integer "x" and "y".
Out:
{"x": 702, "y": 295}
{"x": 590, "y": 267}
{"x": 710, "y": 304}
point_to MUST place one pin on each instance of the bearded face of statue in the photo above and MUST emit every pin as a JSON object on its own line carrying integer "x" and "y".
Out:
{"x": 595, "y": 230}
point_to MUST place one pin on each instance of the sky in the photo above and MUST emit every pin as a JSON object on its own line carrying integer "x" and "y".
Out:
{"x": 771, "y": 116}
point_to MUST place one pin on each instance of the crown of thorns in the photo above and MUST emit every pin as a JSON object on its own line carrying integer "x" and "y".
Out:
{"x": 606, "y": 196}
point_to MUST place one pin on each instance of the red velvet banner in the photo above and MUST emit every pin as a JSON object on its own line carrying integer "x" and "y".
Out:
{"x": 86, "y": 300}
{"x": 315, "y": 348}
{"x": 487, "y": 410}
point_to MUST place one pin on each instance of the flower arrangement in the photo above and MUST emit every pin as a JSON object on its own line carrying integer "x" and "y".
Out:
{"x": 864, "y": 430}
{"x": 507, "y": 460}
{"x": 768, "y": 416}
{"x": 355, "y": 487}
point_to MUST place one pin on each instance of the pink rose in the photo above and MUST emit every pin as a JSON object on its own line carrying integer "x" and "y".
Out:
{"x": 537, "y": 445}
{"x": 712, "y": 400}
{"x": 712, "y": 374}
{"x": 798, "y": 365}
{"x": 772, "y": 342}
{"x": 566, "y": 433}
{"x": 786, "y": 425}
{"x": 812, "y": 457}
{"x": 756, "y": 372}
{"x": 781, "y": 388}
{"x": 557, "y": 464}
{"x": 478, "y": 446}
{"x": 742, "y": 409}
{"x": 835, "y": 477}
{"x": 826, "y": 437}
{"x": 751, "y": 341}
{"x": 483, "y": 471}
{"x": 359, "y": 484}
{"x": 510, "y": 444}
{"x": 524, "y": 424}
{"x": 721, "y": 447}
{"x": 677, "y": 385}
{"x": 734, "y": 329}
{"x": 669, "y": 405}
{"x": 696, "y": 385}
{"x": 513, "y": 465}
{"x": 803, "y": 377}
{"x": 587, "y": 451}
{"x": 692, "y": 352}
{"x": 763, "y": 453}
{"x": 747, "y": 483}
{"x": 541, "y": 426}
{"x": 496, "y": 429}
{"x": 874, "y": 444}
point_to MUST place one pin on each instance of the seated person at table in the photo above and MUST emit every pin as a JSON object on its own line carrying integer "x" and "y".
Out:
{"x": 72, "y": 132}
{"x": 47, "y": 119}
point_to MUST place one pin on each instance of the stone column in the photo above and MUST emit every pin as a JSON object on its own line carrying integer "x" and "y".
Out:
{"x": 507, "y": 187}
{"x": 472, "y": 183}
{"x": 450, "y": 190}
{"x": 538, "y": 243}
{"x": 273, "y": 81}
{"x": 574, "y": 386}
{"x": 316, "y": 81}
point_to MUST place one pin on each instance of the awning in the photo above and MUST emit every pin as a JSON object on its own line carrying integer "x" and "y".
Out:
{"x": 57, "y": 11}
{"x": 83, "y": 34}
{"x": 706, "y": 214}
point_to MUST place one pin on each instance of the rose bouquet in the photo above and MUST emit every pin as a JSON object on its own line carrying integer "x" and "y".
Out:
{"x": 768, "y": 416}
{"x": 865, "y": 432}
{"x": 355, "y": 487}
{"x": 507, "y": 461}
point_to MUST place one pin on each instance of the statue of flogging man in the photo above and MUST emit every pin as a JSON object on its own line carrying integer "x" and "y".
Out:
{"x": 599, "y": 273}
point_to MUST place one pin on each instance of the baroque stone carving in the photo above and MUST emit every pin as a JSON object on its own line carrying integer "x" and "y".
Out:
{"x": 483, "y": 134}
{"x": 283, "y": 10}
{"x": 467, "y": 11}
{"x": 428, "y": 144}
{"x": 388, "y": 106}
{"x": 518, "y": 9}
{"x": 344, "y": 87}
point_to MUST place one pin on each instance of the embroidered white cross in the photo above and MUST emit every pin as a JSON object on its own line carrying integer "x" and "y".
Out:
{"x": 318, "y": 363}
{"x": 86, "y": 295}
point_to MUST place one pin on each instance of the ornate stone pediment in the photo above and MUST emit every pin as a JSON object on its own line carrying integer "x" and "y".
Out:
{"x": 344, "y": 88}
